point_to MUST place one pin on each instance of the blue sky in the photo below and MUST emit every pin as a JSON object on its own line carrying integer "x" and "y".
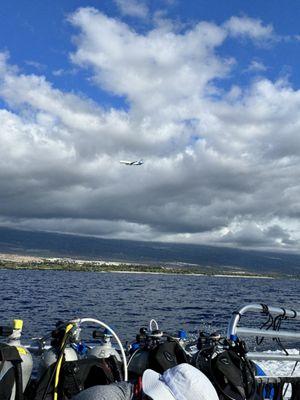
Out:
{"x": 206, "y": 92}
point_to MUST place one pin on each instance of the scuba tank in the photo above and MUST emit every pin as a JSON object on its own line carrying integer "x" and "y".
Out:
{"x": 69, "y": 366}
{"x": 107, "y": 356}
{"x": 105, "y": 348}
{"x": 156, "y": 350}
{"x": 15, "y": 363}
{"x": 225, "y": 363}
{"x": 52, "y": 361}
{"x": 50, "y": 355}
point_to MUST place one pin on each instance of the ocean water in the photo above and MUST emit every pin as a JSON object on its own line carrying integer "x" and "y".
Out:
{"x": 128, "y": 301}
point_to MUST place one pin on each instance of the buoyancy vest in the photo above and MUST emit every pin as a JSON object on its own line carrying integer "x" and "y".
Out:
{"x": 10, "y": 373}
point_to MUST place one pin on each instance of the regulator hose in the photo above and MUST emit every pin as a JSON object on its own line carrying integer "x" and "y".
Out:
{"x": 57, "y": 366}
{"x": 59, "y": 361}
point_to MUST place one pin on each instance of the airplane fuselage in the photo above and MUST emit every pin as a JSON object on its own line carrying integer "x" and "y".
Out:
{"x": 140, "y": 162}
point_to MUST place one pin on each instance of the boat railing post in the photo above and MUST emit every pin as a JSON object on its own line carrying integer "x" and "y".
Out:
{"x": 234, "y": 331}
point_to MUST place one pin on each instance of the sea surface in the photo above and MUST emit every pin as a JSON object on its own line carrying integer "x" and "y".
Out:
{"x": 128, "y": 301}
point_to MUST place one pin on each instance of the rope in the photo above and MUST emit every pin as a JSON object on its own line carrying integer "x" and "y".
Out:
{"x": 276, "y": 326}
{"x": 266, "y": 325}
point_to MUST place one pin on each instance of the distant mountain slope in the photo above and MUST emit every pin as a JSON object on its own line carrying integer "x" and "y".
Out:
{"x": 62, "y": 245}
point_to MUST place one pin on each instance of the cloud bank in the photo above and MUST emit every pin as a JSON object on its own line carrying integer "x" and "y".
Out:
{"x": 222, "y": 165}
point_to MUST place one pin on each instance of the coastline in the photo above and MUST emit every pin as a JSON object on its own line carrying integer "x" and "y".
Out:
{"x": 21, "y": 262}
{"x": 194, "y": 274}
{"x": 143, "y": 272}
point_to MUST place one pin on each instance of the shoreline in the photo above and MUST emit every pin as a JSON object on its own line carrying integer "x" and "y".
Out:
{"x": 193, "y": 274}
{"x": 134, "y": 271}
{"x": 141, "y": 272}
{"x": 27, "y": 262}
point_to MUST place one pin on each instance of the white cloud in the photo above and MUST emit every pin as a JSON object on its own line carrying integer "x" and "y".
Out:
{"x": 251, "y": 28}
{"x": 251, "y": 234}
{"x": 35, "y": 64}
{"x": 256, "y": 66}
{"x": 63, "y": 72}
{"x": 133, "y": 8}
{"x": 155, "y": 70}
{"x": 222, "y": 166}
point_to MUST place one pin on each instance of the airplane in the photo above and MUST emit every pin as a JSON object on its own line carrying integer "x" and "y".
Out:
{"x": 139, "y": 162}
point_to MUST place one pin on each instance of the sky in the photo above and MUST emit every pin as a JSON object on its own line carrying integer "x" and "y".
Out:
{"x": 207, "y": 93}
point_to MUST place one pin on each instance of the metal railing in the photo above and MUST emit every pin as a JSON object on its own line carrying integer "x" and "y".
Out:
{"x": 234, "y": 331}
